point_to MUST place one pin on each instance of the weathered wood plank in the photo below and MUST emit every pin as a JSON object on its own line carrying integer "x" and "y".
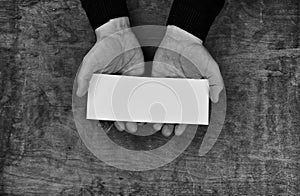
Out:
{"x": 257, "y": 46}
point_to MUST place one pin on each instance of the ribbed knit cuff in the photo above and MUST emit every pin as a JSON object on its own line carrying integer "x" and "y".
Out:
{"x": 101, "y": 11}
{"x": 195, "y": 16}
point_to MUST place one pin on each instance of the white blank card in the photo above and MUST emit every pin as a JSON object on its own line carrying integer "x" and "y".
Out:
{"x": 147, "y": 99}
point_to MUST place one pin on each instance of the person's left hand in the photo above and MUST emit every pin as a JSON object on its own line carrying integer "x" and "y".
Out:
{"x": 180, "y": 54}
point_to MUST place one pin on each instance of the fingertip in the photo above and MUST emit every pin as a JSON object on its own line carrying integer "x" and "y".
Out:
{"x": 119, "y": 125}
{"x": 157, "y": 126}
{"x": 167, "y": 130}
{"x": 131, "y": 127}
{"x": 179, "y": 129}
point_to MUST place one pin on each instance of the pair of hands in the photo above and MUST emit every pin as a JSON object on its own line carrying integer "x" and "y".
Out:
{"x": 180, "y": 54}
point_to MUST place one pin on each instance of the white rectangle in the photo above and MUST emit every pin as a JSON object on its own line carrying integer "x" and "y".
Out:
{"x": 147, "y": 99}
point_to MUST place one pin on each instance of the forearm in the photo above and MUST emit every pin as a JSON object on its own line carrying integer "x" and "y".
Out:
{"x": 101, "y": 11}
{"x": 195, "y": 16}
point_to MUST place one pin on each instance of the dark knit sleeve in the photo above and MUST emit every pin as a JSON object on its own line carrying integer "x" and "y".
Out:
{"x": 101, "y": 11}
{"x": 195, "y": 16}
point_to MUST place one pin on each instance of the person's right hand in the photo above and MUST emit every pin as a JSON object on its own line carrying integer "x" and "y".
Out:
{"x": 116, "y": 51}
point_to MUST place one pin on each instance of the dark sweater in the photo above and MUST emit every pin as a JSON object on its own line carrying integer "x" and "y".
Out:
{"x": 193, "y": 16}
{"x": 101, "y": 11}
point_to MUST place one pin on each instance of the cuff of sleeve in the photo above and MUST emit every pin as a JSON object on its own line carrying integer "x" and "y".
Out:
{"x": 182, "y": 35}
{"x": 195, "y": 16}
{"x": 112, "y": 26}
{"x": 101, "y": 11}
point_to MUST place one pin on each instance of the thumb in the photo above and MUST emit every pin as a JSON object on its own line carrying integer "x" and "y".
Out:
{"x": 208, "y": 67}
{"x": 84, "y": 76}
{"x": 83, "y": 84}
{"x": 215, "y": 79}
{"x": 97, "y": 59}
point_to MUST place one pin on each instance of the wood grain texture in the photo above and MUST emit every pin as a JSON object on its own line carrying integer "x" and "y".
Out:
{"x": 257, "y": 45}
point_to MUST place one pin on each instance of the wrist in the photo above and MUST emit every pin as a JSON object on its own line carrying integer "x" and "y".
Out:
{"x": 181, "y": 35}
{"x": 112, "y": 26}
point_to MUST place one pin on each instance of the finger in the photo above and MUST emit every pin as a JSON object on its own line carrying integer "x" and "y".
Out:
{"x": 167, "y": 130}
{"x": 157, "y": 126}
{"x": 140, "y": 123}
{"x": 88, "y": 67}
{"x": 131, "y": 127}
{"x": 120, "y": 125}
{"x": 179, "y": 129}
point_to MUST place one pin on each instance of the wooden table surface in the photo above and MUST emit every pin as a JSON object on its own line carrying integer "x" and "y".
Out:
{"x": 255, "y": 42}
